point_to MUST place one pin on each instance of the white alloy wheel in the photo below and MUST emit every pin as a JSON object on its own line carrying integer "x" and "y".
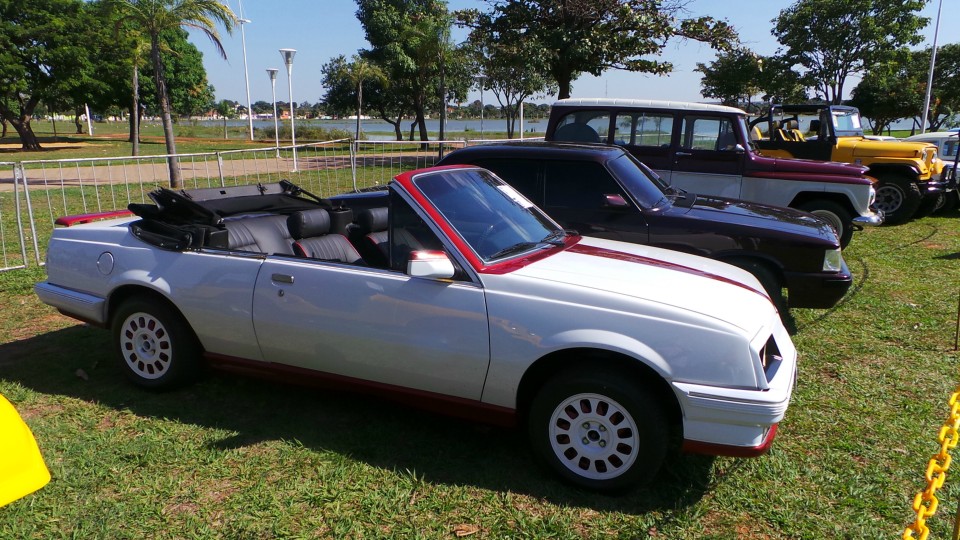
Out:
{"x": 145, "y": 346}
{"x": 155, "y": 346}
{"x": 594, "y": 436}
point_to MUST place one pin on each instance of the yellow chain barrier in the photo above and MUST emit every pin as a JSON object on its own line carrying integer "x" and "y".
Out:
{"x": 925, "y": 503}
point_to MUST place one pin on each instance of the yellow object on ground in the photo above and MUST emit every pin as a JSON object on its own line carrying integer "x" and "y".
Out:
{"x": 22, "y": 470}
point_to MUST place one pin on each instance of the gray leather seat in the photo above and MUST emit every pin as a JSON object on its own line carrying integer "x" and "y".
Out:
{"x": 310, "y": 230}
{"x": 264, "y": 234}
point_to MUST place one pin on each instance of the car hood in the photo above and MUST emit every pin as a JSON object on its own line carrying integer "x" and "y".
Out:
{"x": 686, "y": 282}
{"x": 763, "y": 220}
{"x": 891, "y": 149}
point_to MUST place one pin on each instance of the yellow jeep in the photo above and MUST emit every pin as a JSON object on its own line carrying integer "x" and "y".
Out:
{"x": 909, "y": 175}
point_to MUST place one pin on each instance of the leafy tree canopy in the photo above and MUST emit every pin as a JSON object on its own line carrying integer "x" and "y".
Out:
{"x": 832, "y": 39}
{"x": 590, "y": 36}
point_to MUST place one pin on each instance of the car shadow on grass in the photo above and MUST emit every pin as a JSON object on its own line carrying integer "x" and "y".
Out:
{"x": 75, "y": 362}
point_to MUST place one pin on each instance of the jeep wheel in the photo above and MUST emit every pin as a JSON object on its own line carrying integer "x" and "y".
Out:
{"x": 835, "y": 215}
{"x": 946, "y": 202}
{"x": 899, "y": 199}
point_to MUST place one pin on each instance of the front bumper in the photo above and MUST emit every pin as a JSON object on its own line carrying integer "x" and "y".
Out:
{"x": 735, "y": 422}
{"x": 873, "y": 219}
{"x": 820, "y": 290}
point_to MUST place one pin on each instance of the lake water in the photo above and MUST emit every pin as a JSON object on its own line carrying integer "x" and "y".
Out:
{"x": 378, "y": 129}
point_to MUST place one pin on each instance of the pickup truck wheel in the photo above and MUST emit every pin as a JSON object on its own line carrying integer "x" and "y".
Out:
{"x": 156, "y": 348}
{"x": 835, "y": 215}
{"x": 598, "y": 430}
{"x": 898, "y": 197}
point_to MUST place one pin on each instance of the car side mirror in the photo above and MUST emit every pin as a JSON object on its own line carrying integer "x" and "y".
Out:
{"x": 431, "y": 264}
{"x": 615, "y": 200}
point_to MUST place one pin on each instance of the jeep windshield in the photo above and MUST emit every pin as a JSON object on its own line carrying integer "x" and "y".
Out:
{"x": 846, "y": 122}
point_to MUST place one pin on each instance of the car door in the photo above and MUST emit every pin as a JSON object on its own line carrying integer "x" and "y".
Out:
{"x": 707, "y": 160}
{"x": 377, "y": 325}
{"x": 583, "y": 195}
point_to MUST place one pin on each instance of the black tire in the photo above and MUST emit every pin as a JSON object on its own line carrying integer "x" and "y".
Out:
{"x": 947, "y": 202}
{"x": 598, "y": 430}
{"x": 766, "y": 276}
{"x": 898, "y": 197}
{"x": 928, "y": 205}
{"x": 155, "y": 346}
{"x": 835, "y": 215}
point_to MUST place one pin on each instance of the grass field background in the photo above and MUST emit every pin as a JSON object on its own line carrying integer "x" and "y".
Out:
{"x": 234, "y": 457}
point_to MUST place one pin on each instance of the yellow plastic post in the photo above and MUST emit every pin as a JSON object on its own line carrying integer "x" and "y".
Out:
{"x": 22, "y": 470}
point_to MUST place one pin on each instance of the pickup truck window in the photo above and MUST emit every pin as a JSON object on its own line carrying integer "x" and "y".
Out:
{"x": 584, "y": 126}
{"x": 707, "y": 134}
{"x": 643, "y": 129}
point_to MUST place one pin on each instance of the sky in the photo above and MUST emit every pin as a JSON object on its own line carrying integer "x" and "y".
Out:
{"x": 322, "y": 29}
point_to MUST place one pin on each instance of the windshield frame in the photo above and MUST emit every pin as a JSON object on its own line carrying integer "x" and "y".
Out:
{"x": 487, "y": 215}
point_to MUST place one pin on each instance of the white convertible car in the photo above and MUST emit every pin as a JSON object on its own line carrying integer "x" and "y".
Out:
{"x": 459, "y": 295}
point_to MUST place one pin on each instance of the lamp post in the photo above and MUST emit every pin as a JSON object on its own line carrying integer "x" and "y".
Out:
{"x": 287, "y": 55}
{"x": 933, "y": 61}
{"x": 480, "y": 79}
{"x": 272, "y": 73}
{"x": 246, "y": 73}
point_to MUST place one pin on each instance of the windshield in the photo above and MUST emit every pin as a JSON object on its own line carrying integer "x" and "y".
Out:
{"x": 643, "y": 184}
{"x": 846, "y": 123}
{"x": 492, "y": 217}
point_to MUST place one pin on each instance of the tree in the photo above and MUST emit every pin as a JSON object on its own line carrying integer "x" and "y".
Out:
{"x": 154, "y": 18}
{"x": 226, "y": 109}
{"x": 511, "y": 67}
{"x": 733, "y": 77}
{"x": 410, "y": 42}
{"x": 888, "y": 92}
{"x": 43, "y": 56}
{"x": 339, "y": 73}
{"x": 945, "y": 93}
{"x": 590, "y": 36}
{"x": 833, "y": 39}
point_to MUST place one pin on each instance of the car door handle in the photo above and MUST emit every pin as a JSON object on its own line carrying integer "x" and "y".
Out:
{"x": 683, "y": 154}
{"x": 282, "y": 278}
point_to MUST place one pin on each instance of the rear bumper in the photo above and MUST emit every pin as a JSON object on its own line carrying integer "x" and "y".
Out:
{"x": 76, "y": 304}
{"x": 821, "y": 290}
{"x": 873, "y": 219}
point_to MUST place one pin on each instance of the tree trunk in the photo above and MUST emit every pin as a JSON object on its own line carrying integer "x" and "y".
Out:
{"x": 28, "y": 140}
{"x": 563, "y": 84}
{"x": 176, "y": 181}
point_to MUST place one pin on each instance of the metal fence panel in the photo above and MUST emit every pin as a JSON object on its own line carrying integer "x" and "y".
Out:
{"x": 40, "y": 191}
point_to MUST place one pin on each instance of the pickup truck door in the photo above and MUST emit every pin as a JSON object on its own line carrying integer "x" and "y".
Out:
{"x": 707, "y": 160}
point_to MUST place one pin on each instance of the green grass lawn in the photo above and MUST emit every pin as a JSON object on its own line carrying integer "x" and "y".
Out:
{"x": 234, "y": 457}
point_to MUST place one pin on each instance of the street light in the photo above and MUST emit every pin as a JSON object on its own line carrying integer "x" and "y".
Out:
{"x": 287, "y": 55}
{"x": 246, "y": 73}
{"x": 272, "y": 72}
{"x": 480, "y": 79}
{"x": 933, "y": 61}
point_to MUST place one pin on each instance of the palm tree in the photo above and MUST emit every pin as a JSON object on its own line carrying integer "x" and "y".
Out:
{"x": 153, "y": 18}
{"x": 357, "y": 72}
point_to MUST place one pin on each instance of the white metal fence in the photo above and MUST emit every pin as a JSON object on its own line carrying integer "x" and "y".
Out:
{"x": 33, "y": 194}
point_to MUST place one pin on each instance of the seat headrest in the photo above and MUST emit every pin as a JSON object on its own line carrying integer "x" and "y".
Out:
{"x": 373, "y": 220}
{"x": 309, "y": 223}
